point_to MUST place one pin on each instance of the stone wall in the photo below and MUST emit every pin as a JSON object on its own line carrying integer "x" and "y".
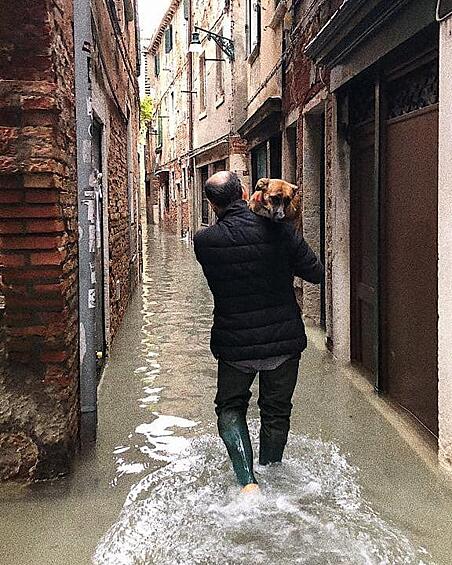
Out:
{"x": 38, "y": 246}
{"x": 39, "y": 353}
{"x": 305, "y": 96}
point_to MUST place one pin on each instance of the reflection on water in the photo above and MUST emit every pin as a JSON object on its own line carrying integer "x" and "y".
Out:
{"x": 310, "y": 511}
{"x": 184, "y": 507}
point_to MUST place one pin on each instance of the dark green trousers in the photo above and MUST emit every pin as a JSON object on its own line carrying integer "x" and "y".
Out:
{"x": 276, "y": 389}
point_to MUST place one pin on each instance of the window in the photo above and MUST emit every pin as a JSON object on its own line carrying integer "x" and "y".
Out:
{"x": 169, "y": 39}
{"x": 259, "y": 164}
{"x": 202, "y": 83}
{"x": 254, "y": 25}
{"x": 220, "y": 70}
{"x": 157, "y": 65}
{"x": 186, "y": 9}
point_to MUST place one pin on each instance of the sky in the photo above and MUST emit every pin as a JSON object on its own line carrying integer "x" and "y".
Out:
{"x": 150, "y": 15}
{"x": 151, "y": 12}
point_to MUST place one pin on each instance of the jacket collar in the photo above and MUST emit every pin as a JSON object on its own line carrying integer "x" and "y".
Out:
{"x": 234, "y": 209}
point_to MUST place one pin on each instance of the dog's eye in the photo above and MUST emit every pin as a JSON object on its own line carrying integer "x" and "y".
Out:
{"x": 286, "y": 201}
{"x": 275, "y": 199}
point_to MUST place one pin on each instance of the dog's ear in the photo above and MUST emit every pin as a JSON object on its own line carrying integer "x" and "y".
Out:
{"x": 262, "y": 184}
{"x": 295, "y": 189}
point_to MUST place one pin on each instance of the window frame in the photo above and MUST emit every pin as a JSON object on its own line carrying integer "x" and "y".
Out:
{"x": 254, "y": 28}
{"x": 157, "y": 68}
{"x": 169, "y": 40}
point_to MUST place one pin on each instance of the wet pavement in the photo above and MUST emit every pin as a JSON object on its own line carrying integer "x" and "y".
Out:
{"x": 158, "y": 488}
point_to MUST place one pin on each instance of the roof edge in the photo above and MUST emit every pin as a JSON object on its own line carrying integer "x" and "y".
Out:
{"x": 165, "y": 21}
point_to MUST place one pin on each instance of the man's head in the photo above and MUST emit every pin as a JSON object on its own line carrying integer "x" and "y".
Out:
{"x": 222, "y": 189}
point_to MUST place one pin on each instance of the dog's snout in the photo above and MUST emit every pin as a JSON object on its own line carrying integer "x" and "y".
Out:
{"x": 280, "y": 213}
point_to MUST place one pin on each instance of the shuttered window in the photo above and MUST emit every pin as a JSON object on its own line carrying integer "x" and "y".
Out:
{"x": 169, "y": 39}
{"x": 157, "y": 65}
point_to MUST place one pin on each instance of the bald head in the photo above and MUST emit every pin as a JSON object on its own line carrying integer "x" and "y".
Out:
{"x": 223, "y": 188}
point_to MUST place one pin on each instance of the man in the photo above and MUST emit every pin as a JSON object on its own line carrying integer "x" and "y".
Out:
{"x": 250, "y": 263}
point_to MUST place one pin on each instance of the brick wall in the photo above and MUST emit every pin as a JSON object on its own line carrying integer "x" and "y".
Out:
{"x": 114, "y": 70}
{"x": 119, "y": 236}
{"x": 38, "y": 245}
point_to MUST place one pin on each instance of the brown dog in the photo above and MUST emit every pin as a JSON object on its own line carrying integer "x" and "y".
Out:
{"x": 276, "y": 199}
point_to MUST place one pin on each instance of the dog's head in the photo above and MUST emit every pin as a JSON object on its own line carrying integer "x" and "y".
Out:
{"x": 277, "y": 199}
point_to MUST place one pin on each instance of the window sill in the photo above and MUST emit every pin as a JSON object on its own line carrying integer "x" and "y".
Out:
{"x": 203, "y": 115}
{"x": 219, "y": 101}
{"x": 254, "y": 54}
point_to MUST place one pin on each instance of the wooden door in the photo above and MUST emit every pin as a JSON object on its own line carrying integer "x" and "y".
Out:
{"x": 364, "y": 232}
{"x": 410, "y": 277}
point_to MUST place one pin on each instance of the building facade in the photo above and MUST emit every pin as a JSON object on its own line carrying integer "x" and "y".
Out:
{"x": 69, "y": 250}
{"x": 384, "y": 212}
{"x": 325, "y": 94}
{"x": 168, "y": 171}
{"x": 192, "y": 91}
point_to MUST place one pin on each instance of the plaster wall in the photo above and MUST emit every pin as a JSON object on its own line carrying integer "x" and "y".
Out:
{"x": 213, "y": 121}
{"x": 445, "y": 246}
{"x": 263, "y": 83}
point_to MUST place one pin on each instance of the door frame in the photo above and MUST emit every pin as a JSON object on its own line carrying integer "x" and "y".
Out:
{"x": 382, "y": 74}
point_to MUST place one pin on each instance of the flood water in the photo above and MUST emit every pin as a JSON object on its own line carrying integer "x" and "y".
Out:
{"x": 159, "y": 489}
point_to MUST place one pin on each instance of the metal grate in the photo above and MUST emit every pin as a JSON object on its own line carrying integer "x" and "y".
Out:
{"x": 414, "y": 91}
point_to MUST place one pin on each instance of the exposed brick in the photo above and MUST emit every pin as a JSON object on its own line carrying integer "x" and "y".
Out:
{"x": 32, "y": 274}
{"x": 48, "y": 258}
{"x": 8, "y": 260}
{"x": 41, "y": 180}
{"x": 50, "y": 288}
{"x": 54, "y": 356}
{"x": 11, "y": 197}
{"x": 50, "y": 211}
{"x": 11, "y": 227}
{"x": 31, "y": 242}
{"x": 44, "y": 226}
{"x": 42, "y": 197}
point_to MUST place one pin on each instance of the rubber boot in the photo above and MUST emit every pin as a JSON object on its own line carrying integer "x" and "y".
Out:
{"x": 233, "y": 430}
{"x": 272, "y": 443}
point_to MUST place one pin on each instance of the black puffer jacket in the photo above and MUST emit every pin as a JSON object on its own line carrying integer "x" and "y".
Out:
{"x": 249, "y": 263}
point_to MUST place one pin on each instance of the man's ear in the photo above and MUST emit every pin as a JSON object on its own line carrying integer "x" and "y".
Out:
{"x": 262, "y": 184}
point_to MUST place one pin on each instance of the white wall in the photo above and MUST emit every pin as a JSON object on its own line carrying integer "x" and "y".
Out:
{"x": 445, "y": 246}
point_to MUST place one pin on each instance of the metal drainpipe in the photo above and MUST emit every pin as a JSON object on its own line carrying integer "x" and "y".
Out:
{"x": 86, "y": 220}
{"x": 190, "y": 120}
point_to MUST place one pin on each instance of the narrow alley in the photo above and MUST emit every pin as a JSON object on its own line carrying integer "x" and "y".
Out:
{"x": 159, "y": 488}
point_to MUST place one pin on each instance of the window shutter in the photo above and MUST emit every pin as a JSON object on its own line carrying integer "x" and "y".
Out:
{"x": 157, "y": 65}
{"x": 168, "y": 39}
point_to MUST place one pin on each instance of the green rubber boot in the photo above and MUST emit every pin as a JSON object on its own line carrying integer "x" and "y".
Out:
{"x": 233, "y": 430}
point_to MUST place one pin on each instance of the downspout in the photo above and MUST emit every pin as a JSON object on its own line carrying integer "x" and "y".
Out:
{"x": 86, "y": 220}
{"x": 191, "y": 162}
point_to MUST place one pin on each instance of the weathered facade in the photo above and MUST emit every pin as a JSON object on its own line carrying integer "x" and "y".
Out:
{"x": 41, "y": 345}
{"x": 326, "y": 93}
{"x": 192, "y": 91}
{"x": 166, "y": 68}
{"x": 382, "y": 131}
